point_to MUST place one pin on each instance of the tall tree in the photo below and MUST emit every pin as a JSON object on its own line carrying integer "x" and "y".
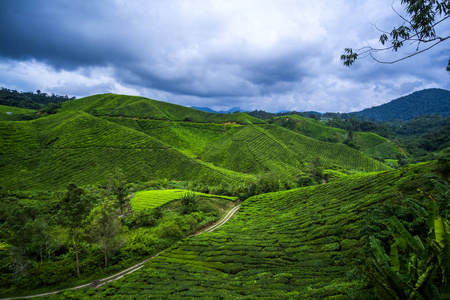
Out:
{"x": 73, "y": 211}
{"x": 105, "y": 229}
{"x": 419, "y": 28}
{"x": 117, "y": 185}
{"x": 18, "y": 227}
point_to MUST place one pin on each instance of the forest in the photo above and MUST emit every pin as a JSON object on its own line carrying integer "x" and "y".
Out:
{"x": 326, "y": 206}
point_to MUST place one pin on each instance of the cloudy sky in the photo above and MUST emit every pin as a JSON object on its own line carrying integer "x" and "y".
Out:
{"x": 255, "y": 54}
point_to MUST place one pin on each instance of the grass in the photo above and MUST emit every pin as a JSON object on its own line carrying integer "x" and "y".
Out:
{"x": 154, "y": 198}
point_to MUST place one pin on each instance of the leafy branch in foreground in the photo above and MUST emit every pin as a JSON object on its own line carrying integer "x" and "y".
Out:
{"x": 419, "y": 28}
{"x": 415, "y": 268}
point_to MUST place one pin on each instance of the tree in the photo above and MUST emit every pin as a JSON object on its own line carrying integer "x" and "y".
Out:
{"x": 18, "y": 223}
{"x": 419, "y": 27}
{"x": 73, "y": 211}
{"x": 105, "y": 229}
{"x": 117, "y": 185}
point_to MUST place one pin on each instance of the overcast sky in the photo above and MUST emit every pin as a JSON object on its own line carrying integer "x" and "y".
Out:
{"x": 269, "y": 55}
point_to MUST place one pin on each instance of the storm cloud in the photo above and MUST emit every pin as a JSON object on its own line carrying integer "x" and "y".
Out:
{"x": 271, "y": 55}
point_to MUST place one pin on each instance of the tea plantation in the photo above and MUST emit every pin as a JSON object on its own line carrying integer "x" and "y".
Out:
{"x": 297, "y": 244}
{"x": 75, "y": 146}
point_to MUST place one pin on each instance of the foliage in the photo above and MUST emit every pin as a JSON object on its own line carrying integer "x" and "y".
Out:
{"x": 416, "y": 268}
{"x": 105, "y": 229}
{"x": 425, "y": 102}
{"x": 294, "y": 244}
{"x": 74, "y": 208}
{"x": 29, "y": 100}
{"x": 419, "y": 28}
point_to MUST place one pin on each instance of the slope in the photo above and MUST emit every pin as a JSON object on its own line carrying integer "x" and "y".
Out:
{"x": 144, "y": 108}
{"x": 74, "y": 146}
{"x": 251, "y": 148}
{"x": 425, "y": 102}
{"x": 10, "y": 113}
{"x": 369, "y": 143}
{"x": 295, "y": 244}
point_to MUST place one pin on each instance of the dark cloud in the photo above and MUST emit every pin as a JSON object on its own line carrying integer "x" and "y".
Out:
{"x": 253, "y": 54}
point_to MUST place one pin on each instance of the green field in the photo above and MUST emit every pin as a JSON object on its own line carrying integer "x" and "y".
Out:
{"x": 154, "y": 198}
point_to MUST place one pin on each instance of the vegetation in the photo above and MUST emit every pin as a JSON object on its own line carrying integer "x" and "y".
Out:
{"x": 29, "y": 100}
{"x": 367, "y": 142}
{"x": 143, "y": 108}
{"x": 154, "y": 198}
{"x": 426, "y": 102}
{"x": 57, "y": 240}
{"x": 107, "y": 181}
{"x": 301, "y": 243}
{"x": 418, "y": 27}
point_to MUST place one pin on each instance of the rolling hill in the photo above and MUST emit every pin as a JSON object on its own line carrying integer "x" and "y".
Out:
{"x": 144, "y": 108}
{"x": 149, "y": 140}
{"x": 74, "y": 146}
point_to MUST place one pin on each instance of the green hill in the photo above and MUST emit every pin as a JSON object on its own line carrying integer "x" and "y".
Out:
{"x": 369, "y": 143}
{"x": 425, "y": 102}
{"x": 144, "y": 108}
{"x": 252, "y": 148}
{"x": 298, "y": 244}
{"x": 74, "y": 146}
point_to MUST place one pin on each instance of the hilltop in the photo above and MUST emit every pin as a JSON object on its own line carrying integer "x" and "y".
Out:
{"x": 425, "y": 102}
{"x": 144, "y": 108}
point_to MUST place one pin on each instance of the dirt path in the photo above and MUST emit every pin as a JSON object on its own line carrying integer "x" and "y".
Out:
{"x": 100, "y": 282}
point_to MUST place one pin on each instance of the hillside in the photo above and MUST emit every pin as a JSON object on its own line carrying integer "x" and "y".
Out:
{"x": 251, "y": 148}
{"x": 10, "y": 113}
{"x": 298, "y": 244}
{"x": 144, "y": 108}
{"x": 369, "y": 143}
{"x": 74, "y": 146}
{"x": 425, "y": 102}
{"x": 88, "y": 147}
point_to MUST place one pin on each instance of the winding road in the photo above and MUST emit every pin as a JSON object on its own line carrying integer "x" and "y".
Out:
{"x": 100, "y": 282}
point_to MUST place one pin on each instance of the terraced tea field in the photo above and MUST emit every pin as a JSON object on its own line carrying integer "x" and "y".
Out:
{"x": 139, "y": 107}
{"x": 151, "y": 199}
{"x": 33, "y": 153}
{"x": 298, "y": 244}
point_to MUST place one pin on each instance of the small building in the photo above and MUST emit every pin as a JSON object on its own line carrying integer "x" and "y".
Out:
{"x": 9, "y": 113}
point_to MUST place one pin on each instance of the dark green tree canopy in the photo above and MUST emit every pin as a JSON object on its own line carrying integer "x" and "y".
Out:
{"x": 419, "y": 28}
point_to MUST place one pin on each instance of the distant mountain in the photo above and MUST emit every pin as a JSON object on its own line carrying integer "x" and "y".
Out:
{"x": 207, "y": 109}
{"x": 425, "y": 102}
